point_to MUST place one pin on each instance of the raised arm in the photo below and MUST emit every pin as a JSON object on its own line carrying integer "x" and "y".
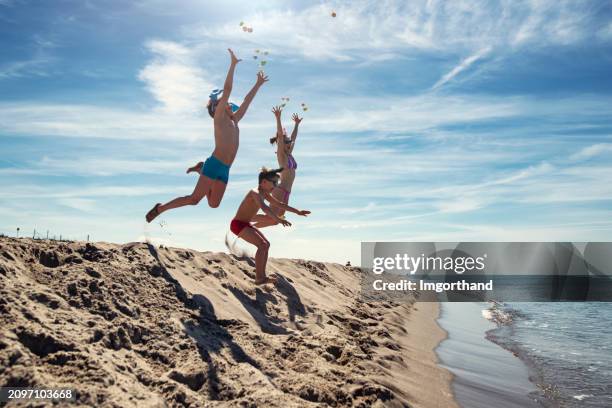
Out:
{"x": 280, "y": 138}
{"x": 229, "y": 82}
{"x": 261, "y": 79}
{"x": 294, "y": 133}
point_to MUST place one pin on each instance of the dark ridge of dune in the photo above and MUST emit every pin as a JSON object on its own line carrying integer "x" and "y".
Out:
{"x": 138, "y": 326}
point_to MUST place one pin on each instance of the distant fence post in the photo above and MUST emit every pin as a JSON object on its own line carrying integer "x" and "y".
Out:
{"x": 47, "y": 234}
{"x": 87, "y": 237}
{"x": 34, "y": 234}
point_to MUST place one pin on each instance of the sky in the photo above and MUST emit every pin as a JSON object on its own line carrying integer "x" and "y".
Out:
{"x": 427, "y": 120}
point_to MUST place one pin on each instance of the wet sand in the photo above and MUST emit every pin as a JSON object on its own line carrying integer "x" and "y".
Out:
{"x": 431, "y": 384}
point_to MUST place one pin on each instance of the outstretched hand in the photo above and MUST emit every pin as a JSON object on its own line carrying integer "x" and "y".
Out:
{"x": 303, "y": 213}
{"x": 277, "y": 110}
{"x": 235, "y": 60}
{"x": 296, "y": 118}
{"x": 261, "y": 78}
{"x": 285, "y": 222}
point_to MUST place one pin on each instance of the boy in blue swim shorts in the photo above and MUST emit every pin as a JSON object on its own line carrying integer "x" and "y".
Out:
{"x": 215, "y": 169}
{"x": 214, "y": 172}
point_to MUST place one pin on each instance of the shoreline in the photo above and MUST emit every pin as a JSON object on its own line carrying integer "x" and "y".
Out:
{"x": 486, "y": 374}
{"x": 543, "y": 393}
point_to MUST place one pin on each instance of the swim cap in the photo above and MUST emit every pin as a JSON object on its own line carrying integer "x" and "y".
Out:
{"x": 214, "y": 100}
{"x": 214, "y": 95}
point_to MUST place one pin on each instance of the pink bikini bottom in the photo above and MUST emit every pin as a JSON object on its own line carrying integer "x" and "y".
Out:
{"x": 285, "y": 194}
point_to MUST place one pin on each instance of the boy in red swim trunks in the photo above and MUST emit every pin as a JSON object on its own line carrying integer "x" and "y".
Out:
{"x": 247, "y": 212}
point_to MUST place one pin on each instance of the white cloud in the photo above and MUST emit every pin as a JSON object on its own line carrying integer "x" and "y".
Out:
{"x": 174, "y": 79}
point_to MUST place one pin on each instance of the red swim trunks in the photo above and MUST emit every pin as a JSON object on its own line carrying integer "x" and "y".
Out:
{"x": 236, "y": 226}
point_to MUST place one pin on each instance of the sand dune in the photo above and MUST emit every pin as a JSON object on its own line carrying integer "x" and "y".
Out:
{"x": 138, "y": 326}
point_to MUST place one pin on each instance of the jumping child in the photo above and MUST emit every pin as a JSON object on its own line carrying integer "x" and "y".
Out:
{"x": 286, "y": 161}
{"x": 214, "y": 172}
{"x": 252, "y": 202}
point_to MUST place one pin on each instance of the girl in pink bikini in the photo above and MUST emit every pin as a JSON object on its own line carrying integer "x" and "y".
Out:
{"x": 287, "y": 162}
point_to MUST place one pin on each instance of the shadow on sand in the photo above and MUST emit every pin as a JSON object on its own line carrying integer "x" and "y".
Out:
{"x": 210, "y": 333}
{"x": 295, "y": 307}
{"x": 258, "y": 307}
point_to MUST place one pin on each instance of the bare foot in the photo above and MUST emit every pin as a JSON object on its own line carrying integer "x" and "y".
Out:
{"x": 195, "y": 168}
{"x": 153, "y": 212}
{"x": 270, "y": 279}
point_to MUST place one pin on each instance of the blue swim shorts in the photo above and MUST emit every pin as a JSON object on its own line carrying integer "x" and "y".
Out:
{"x": 215, "y": 169}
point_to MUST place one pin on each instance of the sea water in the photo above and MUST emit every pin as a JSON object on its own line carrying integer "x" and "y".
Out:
{"x": 566, "y": 345}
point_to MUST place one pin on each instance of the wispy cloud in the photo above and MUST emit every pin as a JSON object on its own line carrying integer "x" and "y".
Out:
{"x": 592, "y": 151}
{"x": 37, "y": 64}
{"x": 463, "y": 65}
{"x": 93, "y": 166}
{"x": 517, "y": 231}
{"x": 80, "y": 204}
{"x": 363, "y": 26}
{"x": 71, "y": 192}
{"x": 34, "y": 66}
{"x": 405, "y": 114}
{"x": 89, "y": 121}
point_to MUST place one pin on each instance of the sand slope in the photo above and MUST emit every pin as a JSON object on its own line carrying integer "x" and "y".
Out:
{"x": 132, "y": 325}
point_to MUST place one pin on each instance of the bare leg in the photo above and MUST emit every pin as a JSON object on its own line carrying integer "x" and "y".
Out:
{"x": 217, "y": 190}
{"x": 280, "y": 196}
{"x": 197, "y": 168}
{"x": 200, "y": 190}
{"x": 263, "y": 220}
{"x": 259, "y": 217}
{"x": 255, "y": 237}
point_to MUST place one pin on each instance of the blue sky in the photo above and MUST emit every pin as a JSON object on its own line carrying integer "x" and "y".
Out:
{"x": 427, "y": 120}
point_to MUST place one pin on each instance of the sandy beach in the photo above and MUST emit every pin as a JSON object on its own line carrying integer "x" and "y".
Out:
{"x": 133, "y": 325}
